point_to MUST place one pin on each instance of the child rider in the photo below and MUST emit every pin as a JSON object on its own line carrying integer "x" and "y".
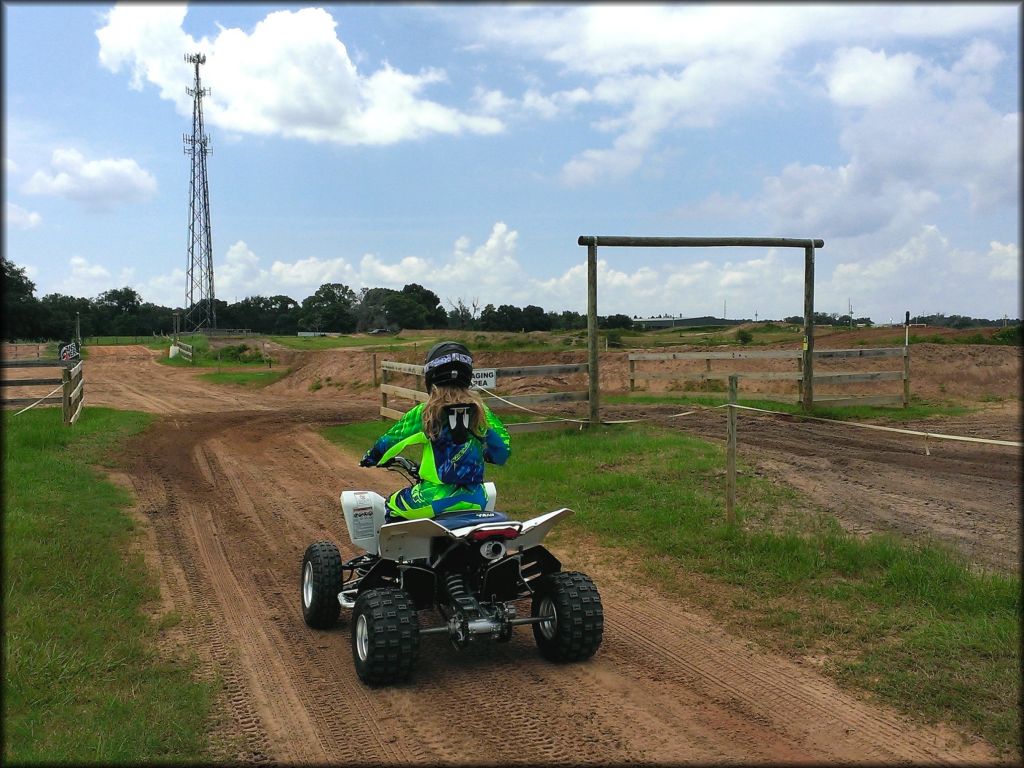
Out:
{"x": 458, "y": 434}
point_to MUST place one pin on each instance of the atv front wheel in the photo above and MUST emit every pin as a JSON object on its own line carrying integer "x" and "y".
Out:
{"x": 320, "y": 584}
{"x": 385, "y": 636}
{"x": 573, "y": 617}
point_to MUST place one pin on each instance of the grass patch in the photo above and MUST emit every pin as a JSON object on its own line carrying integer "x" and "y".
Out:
{"x": 914, "y": 624}
{"x": 340, "y": 342}
{"x": 247, "y": 379}
{"x": 82, "y": 681}
{"x": 153, "y": 342}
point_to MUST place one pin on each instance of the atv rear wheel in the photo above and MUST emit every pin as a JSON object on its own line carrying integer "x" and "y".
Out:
{"x": 320, "y": 583}
{"x": 385, "y": 636}
{"x": 573, "y": 617}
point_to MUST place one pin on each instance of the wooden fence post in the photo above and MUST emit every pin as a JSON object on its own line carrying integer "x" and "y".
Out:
{"x": 632, "y": 373}
{"x": 906, "y": 375}
{"x": 808, "y": 380}
{"x": 595, "y": 414}
{"x": 730, "y": 454}
{"x": 65, "y": 375}
{"x": 375, "y": 383}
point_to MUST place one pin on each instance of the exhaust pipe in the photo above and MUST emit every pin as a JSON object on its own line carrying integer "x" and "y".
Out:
{"x": 493, "y": 550}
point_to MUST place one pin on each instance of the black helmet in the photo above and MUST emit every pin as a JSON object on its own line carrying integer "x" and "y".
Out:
{"x": 448, "y": 364}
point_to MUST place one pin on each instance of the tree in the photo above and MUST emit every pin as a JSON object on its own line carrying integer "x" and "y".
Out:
{"x": 21, "y": 308}
{"x": 504, "y": 318}
{"x": 462, "y": 316}
{"x": 331, "y": 308}
{"x": 434, "y": 314}
{"x": 285, "y": 313}
{"x": 534, "y": 319}
{"x": 570, "y": 321}
{"x": 617, "y": 321}
{"x": 405, "y": 312}
{"x": 121, "y": 301}
{"x": 370, "y": 310}
{"x": 117, "y": 311}
{"x": 58, "y": 314}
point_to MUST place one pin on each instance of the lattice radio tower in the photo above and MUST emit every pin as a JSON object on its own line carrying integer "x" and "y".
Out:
{"x": 200, "y": 311}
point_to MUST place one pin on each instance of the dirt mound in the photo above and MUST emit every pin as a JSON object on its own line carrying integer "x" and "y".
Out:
{"x": 967, "y": 373}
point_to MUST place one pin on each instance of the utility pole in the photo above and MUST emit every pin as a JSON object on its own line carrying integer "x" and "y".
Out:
{"x": 200, "y": 311}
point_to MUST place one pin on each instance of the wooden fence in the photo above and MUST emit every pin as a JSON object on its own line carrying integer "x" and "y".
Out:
{"x": 71, "y": 385}
{"x": 417, "y": 391}
{"x": 797, "y": 376}
{"x": 185, "y": 350}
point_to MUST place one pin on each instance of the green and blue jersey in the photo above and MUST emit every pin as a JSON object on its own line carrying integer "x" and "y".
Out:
{"x": 452, "y": 473}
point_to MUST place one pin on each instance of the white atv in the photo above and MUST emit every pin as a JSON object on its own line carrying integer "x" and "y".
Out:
{"x": 470, "y": 566}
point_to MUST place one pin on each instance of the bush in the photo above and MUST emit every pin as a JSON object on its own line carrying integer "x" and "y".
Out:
{"x": 1009, "y": 335}
{"x": 743, "y": 336}
{"x": 240, "y": 353}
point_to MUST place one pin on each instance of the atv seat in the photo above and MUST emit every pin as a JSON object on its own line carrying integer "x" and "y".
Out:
{"x": 462, "y": 518}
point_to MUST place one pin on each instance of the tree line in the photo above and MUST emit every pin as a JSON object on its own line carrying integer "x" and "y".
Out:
{"x": 333, "y": 308}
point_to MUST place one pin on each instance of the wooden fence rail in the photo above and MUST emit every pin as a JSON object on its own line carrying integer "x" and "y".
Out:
{"x": 185, "y": 350}
{"x": 418, "y": 393}
{"x": 73, "y": 396}
{"x": 833, "y": 377}
{"x": 71, "y": 383}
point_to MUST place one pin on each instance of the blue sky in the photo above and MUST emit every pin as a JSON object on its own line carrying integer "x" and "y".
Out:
{"x": 467, "y": 147}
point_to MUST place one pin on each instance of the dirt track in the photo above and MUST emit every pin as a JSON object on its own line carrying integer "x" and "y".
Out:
{"x": 233, "y": 486}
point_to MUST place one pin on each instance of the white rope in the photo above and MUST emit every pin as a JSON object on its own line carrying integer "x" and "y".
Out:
{"x": 37, "y": 402}
{"x": 579, "y": 421}
{"x": 925, "y": 435}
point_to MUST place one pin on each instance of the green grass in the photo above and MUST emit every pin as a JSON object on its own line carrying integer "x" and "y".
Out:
{"x": 153, "y": 342}
{"x": 914, "y": 624}
{"x": 82, "y": 681}
{"x": 248, "y": 379}
{"x": 341, "y": 342}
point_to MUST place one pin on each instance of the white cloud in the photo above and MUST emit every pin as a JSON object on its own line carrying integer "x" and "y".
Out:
{"x": 691, "y": 66}
{"x": 290, "y": 76}
{"x": 917, "y": 134}
{"x": 99, "y": 184}
{"x": 375, "y": 273}
{"x": 924, "y": 267}
{"x": 861, "y": 78}
{"x": 86, "y": 278}
{"x": 310, "y": 272}
{"x": 767, "y": 283}
{"x": 1004, "y": 260}
{"x": 493, "y": 267}
{"x": 16, "y": 216}
{"x": 239, "y": 273}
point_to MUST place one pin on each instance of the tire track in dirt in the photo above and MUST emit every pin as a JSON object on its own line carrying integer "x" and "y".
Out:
{"x": 268, "y": 595}
{"x": 235, "y": 495}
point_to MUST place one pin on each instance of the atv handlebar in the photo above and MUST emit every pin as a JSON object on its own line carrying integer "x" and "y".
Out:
{"x": 403, "y": 466}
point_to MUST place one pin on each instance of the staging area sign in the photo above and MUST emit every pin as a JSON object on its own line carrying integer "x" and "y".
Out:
{"x": 485, "y": 378}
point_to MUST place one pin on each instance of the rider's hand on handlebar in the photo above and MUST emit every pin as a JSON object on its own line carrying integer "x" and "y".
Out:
{"x": 366, "y": 461}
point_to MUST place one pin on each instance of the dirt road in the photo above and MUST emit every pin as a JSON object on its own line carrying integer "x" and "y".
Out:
{"x": 232, "y": 486}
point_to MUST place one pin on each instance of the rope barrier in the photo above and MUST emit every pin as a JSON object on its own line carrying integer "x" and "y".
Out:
{"x": 37, "y": 402}
{"x": 579, "y": 421}
{"x": 925, "y": 435}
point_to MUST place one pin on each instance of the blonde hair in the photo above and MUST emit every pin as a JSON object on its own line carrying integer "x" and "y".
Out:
{"x": 433, "y": 410}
